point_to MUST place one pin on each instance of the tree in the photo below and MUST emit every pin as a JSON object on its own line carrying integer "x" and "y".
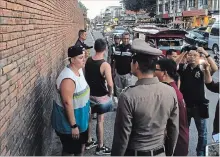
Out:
{"x": 83, "y": 7}
{"x": 136, "y": 5}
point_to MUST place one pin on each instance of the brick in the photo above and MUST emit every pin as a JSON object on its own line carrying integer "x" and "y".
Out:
{"x": 7, "y": 20}
{"x": 6, "y": 53}
{"x": 2, "y": 46}
{"x": 12, "y": 73}
{"x": 27, "y": 27}
{"x": 1, "y": 38}
{"x": 12, "y": 43}
{"x": 10, "y": 96}
{"x": 13, "y": 28}
{"x": 2, "y": 105}
{"x": 15, "y": 35}
{"x": 3, "y": 143}
{"x": 12, "y": 109}
{"x": 3, "y": 62}
{"x": 19, "y": 61}
{"x": 6, "y": 37}
{"x": 9, "y": 67}
{"x": 3, "y": 129}
{"x": 15, "y": 78}
{"x": 13, "y": 58}
{"x": 3, "y": 79}
{"x": 4, "y": 86}
{"x": 7, "y": 12}
{"x": 4, "y": 111}
{"x": 11, "y": 88}
{"x": 20, "y": 41}
{"x": 18, "y": 48}
{"x": 14, "y": 6}
{"x": 26, "y": 15}
{"x": 2, "y": 4}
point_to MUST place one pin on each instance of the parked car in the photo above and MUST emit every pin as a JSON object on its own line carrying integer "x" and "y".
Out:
{"x": 213, "y": 41}
{"x": 197, "y": 38}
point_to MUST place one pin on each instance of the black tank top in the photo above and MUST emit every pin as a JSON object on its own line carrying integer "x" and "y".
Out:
{"x": 94, "y": 78}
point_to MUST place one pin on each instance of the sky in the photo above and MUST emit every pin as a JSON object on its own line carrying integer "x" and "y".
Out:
{"x": 95, "y": 6}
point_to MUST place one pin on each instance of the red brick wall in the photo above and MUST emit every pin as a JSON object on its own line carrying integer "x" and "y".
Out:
{"x": 34, "y": 37}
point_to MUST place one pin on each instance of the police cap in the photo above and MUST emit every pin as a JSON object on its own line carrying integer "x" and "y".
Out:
{"x": 140, "y": 46}
{"x": 117, "y": 36}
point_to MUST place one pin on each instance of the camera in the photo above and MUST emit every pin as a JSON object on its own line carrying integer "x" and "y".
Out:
{"x": 187, "y": 48}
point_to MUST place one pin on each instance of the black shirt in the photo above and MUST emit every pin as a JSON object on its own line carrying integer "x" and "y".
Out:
{"x": 192, "y": 85}
{"x": 94, "y": 78}
{"x": 122, "y": 57}
{"x": 82, "y": 44}
{"x": 214, "y": 87}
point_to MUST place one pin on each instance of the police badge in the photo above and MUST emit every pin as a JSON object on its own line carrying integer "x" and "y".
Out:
{"x": 197, "y": 75}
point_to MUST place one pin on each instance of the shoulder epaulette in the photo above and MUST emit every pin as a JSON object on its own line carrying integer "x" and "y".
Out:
{"x": 126, "y": 88}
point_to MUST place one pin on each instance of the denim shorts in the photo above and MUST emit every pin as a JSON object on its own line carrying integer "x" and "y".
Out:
{"x": 101, "y": 105}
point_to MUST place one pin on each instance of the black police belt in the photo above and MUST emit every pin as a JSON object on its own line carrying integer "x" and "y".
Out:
{"x": 152, "y": 152}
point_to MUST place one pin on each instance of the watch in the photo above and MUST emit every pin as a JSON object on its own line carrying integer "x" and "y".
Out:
{"x": 74, "y": 126}
{"x": 207, "y": 56}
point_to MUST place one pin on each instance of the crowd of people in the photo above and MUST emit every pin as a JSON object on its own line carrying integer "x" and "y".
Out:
{"x": 153, "y": 115}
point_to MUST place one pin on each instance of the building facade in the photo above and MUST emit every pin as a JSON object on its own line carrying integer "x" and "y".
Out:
{"x": 112, "y": 13}
{"x": 192, "y": 13}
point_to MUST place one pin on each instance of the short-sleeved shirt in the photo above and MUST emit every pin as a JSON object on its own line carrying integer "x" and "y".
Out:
{"x": 81, "y": 103}
{"x": 122, "y": 57}
{"x": 183, "y": 139}
{"x": 81, "y": 44}
{"x": 192, "y": 85}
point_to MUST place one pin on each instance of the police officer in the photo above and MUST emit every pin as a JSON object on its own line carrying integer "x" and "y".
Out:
{"x": 112, "y": 48}
{"x": 145, "y": 110}
{"x": 80, "y": 42}
{"x": 82, "y": 37}
{"x": 121, "y": 67}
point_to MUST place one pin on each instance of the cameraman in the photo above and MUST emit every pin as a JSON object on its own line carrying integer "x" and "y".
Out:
{"x": 80, "y": 42}
{"x": 193, "y": 90}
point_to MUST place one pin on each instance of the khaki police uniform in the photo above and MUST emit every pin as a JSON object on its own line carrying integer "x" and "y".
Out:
{"x": 144, "y": 112}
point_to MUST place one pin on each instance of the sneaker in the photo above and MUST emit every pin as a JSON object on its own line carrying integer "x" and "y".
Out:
{"x": 103, "y": 151}
{"x": 94, "y": 116}
{"x": 91, "y": 144}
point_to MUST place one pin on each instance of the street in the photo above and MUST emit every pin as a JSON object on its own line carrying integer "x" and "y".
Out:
{"x": 110, "y": 117}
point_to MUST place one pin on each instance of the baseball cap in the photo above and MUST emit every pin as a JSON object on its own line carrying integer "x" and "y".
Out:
{"x": 75, "y": 51}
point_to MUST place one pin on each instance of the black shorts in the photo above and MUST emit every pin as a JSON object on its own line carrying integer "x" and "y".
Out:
{"x": 73, "y": 146}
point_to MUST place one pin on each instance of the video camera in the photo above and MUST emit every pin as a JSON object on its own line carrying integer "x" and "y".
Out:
{"x": 88, "y": 47}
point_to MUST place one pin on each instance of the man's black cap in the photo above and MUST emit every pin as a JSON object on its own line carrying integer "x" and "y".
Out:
{"x": 75, "y": 51}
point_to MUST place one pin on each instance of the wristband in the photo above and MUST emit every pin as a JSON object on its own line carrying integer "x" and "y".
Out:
{"x": 207, "y": 56}
{"x": 74, "y": 126}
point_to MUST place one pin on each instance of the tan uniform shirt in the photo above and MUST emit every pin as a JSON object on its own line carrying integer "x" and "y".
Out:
{"x": 143, "y": 113}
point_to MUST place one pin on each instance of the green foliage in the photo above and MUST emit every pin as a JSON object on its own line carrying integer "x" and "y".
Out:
{"x": 83, "y": 7}
{"x": 136, "y": 5}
